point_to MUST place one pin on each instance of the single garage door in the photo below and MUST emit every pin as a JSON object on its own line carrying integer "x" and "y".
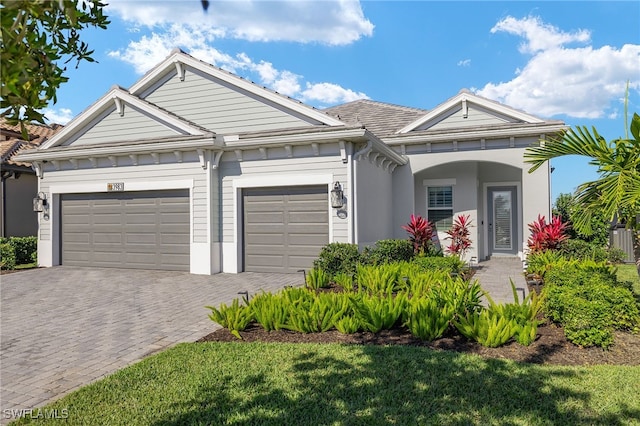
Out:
{"x": 138, "y": 230}
{"x": 284, "y": 228}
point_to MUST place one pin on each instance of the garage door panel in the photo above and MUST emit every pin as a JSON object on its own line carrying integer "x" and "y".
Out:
{"x": 148, "y": 230}
{"x": 284, "y": 228}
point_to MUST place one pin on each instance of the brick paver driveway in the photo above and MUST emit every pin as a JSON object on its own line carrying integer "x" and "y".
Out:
{"x": 64, "y": 327}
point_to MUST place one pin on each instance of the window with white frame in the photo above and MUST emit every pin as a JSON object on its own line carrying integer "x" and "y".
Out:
{"x": 440, "y": 206}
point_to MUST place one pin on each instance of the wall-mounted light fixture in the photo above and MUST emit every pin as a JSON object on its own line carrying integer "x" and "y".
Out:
{"x": 337, "y": 196}
{"x": 40, "y": 202}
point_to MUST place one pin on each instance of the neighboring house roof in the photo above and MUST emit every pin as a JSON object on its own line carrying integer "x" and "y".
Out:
{"x": 12, "y": 142}
{"x": 380, "y": 118}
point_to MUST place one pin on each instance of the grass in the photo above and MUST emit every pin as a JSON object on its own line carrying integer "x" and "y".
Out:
{"x": 27, "y": 266}
{"x": 629, "y": 273}
{"x": 314, "y": 384}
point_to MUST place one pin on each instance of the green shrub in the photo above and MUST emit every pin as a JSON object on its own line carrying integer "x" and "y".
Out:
{"x": 540, "y": 262}
{"x": 588, "y": 324}
{"x": 450, "y": 264}
{"x": 24, "y": 248}
{"x": 461, "y": 296}
{"x": 317, "y": 278}
{"x": 389, "y": 251}
{"x": 616, "y": 255}
{"x": 335, "y": 258}
{"x": 590, "y": 303}
{"x": 235, "y": 318}
{"x": 7, "y": 256}
{"x": 580, "y": 249}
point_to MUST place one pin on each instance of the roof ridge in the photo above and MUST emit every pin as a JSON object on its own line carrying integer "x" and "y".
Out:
{"x": 388, "y": 104}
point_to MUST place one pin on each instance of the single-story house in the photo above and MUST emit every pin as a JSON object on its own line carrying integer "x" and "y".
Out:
{"x": 193, "y": 168}
{"x": 19, "y": 184}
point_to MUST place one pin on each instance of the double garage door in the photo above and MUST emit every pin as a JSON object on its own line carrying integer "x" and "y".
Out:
{"x": 284, "y": 228}
{"x": 139, "y": 230}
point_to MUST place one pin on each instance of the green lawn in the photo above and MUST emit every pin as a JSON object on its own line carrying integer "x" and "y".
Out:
{"x": 630, "y": 273}
{"x": 309, "y": 384}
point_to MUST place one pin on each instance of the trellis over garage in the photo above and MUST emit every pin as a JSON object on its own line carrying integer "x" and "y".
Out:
{"x": 193, "y": 168}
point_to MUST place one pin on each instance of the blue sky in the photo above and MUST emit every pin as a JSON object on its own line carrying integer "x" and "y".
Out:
{"x": 560, "y": 60}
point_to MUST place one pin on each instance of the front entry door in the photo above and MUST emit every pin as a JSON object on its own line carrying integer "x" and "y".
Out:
{"x": 503, "y": 226}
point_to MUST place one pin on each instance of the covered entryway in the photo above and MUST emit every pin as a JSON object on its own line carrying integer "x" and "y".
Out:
{"x": 138, "y": 230}
{"x": 284, "y": 227}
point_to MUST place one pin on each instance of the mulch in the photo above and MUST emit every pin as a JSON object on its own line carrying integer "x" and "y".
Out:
{"x": 550, "y": 348}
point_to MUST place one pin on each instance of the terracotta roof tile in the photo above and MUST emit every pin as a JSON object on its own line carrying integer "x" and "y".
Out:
{"x": 14, "y": 143}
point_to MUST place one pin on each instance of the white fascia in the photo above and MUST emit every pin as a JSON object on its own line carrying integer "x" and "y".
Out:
{"x": 461, "y": 135}
{"x": 466, "y": 98}
{"x": 119, "y": 96}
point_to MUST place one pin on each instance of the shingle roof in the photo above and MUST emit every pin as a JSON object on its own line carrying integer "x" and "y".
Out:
{"x": 38, "y": 133}
{"x": 381, "y": 118}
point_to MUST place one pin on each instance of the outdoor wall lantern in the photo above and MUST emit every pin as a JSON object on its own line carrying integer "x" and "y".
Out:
{"x": 337, "y": 196}
{"x": 40, "y": 202}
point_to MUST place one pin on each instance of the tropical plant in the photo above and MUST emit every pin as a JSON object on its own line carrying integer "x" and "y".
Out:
{"x": 617, "y": 190}
{"x": 427, "y": 319}
{"x": 376, "y": 313}
{"x": 235, "y": 318}
{"x": 270, "y": 311}
{"x": 380, "y": 279}
{"x": 460, "y": 236}
{"x": 488, "y": 328}
{"x": 547, "y": 236}
{"x": 317, "y": 278}
{"x": 348, "y": 324}
{"x": 421, "y": 233}
{"x": 567, "y": 208}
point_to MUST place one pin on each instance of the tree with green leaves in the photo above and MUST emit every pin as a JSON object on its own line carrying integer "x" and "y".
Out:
{"x": 39, "y": 37}
{"x": 616, "y": 194}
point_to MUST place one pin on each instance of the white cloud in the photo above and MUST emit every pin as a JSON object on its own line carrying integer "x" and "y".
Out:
{"x": 332, "y": 22}
{"x": 464, "y": 63}
{"x": 58, "y": 115}
{"x": 147, "y": 52}
{"x": 329, "y": 93}
{"x": 538, "y": 35}
{"x": 580, "y": 82}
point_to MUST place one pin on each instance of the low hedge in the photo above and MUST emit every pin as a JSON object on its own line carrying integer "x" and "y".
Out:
{"x": 25, "y": 249}
{"x": 589, "y": 303}
{"x": 7, "y": 256}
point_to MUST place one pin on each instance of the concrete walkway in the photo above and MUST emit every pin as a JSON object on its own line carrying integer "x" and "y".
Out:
{"x": 63, "y": 327}
{"x": 494, "y": 276}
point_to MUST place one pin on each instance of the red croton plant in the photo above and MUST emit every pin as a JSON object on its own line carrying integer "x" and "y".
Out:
{"x": 420, "y": 233}
{"x": 459, "y": 235}
{"x": 547, "y": 236}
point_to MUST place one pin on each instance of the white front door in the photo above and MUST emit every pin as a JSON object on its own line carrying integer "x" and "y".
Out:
{"x": 502, "y": 220}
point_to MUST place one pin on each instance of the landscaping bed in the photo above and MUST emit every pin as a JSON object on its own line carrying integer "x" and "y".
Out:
{"x": 550, "y": 348}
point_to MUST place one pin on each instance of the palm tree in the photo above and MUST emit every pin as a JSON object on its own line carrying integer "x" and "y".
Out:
{"x": 617, "y": 192}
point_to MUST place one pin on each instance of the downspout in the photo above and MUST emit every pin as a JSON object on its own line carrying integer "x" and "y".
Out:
{"x": 356, "y": 157}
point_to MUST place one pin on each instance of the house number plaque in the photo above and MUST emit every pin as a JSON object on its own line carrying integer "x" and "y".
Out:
{"x": 115, "y": 186}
